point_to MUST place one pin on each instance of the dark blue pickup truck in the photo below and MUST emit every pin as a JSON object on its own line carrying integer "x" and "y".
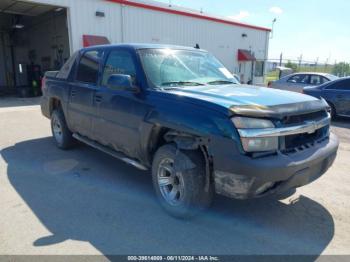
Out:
{"x": 179, "y": 112}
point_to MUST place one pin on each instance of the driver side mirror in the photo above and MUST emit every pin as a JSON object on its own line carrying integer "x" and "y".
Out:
{"x": 122, "y": 82}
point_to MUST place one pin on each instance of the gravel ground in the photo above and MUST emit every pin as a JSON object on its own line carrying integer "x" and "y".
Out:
{"x": 85, "y": 202}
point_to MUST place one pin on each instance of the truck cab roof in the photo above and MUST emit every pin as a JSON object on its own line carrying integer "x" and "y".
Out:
{"x": 137, "y": 46}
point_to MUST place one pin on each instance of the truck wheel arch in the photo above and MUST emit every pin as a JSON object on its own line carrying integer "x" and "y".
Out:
{"x": 54, "y": 104}
{"x": 183, "y": 141}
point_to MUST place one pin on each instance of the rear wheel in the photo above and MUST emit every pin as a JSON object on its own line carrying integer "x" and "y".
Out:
{"x": 60, "y": 132}
{"x": 179, "y": 185}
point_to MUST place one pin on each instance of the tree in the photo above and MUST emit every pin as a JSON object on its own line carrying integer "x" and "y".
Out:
{"x": 292, "y": 66}
{"x": 341, "y": 69}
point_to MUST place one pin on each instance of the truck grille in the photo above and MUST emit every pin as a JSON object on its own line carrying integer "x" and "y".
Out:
{"x": 300, "y": 142}
{"x": 299, "y": 119}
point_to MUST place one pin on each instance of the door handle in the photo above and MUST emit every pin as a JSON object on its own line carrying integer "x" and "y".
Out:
{"x": 98, "y": 99}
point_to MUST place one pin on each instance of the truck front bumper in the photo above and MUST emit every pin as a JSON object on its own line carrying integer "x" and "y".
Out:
{"x": 242, "y": 177}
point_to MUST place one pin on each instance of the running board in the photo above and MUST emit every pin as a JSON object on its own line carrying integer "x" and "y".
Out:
{"x": 109, "y": 151}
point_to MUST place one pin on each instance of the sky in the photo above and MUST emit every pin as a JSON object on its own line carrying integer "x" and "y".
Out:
{"x": 317, "y": 30}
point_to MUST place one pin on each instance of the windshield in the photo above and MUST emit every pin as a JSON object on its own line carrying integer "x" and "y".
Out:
{"x": 167, "y": 67}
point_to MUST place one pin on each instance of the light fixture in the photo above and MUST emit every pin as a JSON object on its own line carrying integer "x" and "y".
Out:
{"x": 18, "y": 26}
{"x": 20, "y": 67}
{"x": 58, "y": 9}
{"x": 100, "y": 14}
{"x": 244, "y": 35}
{"x": 272, "y": 28}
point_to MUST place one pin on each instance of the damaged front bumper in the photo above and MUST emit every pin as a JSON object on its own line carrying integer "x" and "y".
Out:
{"x": 242, "y": 177}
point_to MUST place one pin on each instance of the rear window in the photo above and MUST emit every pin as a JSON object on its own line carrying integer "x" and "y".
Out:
{"x": 67, "y": 67}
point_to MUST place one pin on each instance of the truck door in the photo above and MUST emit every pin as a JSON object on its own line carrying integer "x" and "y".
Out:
{"x": 297, "y": 82}
{"x": 120, "y": 112}
{"x": 80, "y": 109}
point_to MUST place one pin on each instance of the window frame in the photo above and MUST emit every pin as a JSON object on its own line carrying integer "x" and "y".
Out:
{"x": 105, "y": 60}
{"x": 320, "y": 78}
{"x": 325, "y": 80}
{"x": 307, "y": 75}
{"x": 71, "y": 62}
{"x": 101, "y": 58}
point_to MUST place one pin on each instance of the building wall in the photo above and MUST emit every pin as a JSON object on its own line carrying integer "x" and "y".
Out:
{"x": 132, "y": 24}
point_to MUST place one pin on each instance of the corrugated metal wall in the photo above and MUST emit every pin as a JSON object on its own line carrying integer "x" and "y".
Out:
{"x": 133, "y": 24}
{"x": 223, "y": 40}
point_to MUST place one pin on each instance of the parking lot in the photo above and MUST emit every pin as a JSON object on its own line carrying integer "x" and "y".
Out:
{"x": 85, "y": 202}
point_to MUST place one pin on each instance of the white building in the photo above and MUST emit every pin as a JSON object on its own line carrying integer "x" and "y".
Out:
{"x": 46, "y": 32}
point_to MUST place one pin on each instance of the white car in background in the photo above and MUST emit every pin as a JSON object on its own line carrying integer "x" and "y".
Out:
{"x": 296, "y": 82}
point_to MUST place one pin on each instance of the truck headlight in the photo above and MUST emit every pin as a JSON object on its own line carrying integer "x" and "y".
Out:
{"x": 250, "y": 123}
{"x": 261, "y": 144}
{"x": 256, "y": 144}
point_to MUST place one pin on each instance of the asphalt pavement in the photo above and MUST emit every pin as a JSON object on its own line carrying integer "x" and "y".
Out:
{"x": 83, "y": 201}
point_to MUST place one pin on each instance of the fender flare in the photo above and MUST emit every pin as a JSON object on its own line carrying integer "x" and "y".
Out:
{"x": 186, "y": 141}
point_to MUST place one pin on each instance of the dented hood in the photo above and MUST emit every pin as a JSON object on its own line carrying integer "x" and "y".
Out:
{"x": 253, "y": 100}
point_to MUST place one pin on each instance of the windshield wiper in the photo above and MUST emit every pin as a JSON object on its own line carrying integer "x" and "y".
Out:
{"x": 221, "y": 82}
{"x": 184, "y": 83}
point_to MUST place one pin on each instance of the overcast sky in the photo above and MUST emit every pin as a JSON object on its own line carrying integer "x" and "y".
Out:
{"x": 312, "y": 28}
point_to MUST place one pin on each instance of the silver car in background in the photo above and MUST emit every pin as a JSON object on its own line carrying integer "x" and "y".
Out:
{"x": 296, "y": 82}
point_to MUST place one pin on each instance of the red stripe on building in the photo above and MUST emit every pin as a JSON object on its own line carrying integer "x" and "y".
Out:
{"x": 188, "y": 14}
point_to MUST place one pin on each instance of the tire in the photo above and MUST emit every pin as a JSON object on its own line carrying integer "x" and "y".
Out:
{"x": 62, "y": 135}
{"x": 180, "y": 193}
{"x": 283, "y": 195}
{"x": 333, "y": 111}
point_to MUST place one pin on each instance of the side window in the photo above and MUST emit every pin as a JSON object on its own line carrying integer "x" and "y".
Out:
{"x": 67, "y": 67}
{"x": 315, "y": 80}
{"x": 119, "y": 62}
{"x": 324, "y": 80}
{"x": 300, "y": 79}
{"x": 340, "y": 85}
{"x": 346, "y": 85}
{"x": 88, "y": 67}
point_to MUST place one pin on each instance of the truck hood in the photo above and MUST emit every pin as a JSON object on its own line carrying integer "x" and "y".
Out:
{"x": 254, "y": 100}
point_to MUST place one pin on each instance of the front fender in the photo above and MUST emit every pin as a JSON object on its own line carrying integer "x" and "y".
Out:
{"x": 198, "y": 122}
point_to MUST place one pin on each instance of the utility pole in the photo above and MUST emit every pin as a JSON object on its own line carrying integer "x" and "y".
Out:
{"x": 300, "y": 60}
{"x": 281, "y": 58}
{"x": 272, "y": 27}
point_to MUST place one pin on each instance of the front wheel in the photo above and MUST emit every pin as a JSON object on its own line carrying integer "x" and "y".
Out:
{"x": 333, "y": 111}
{"x": 179, "y": 179}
